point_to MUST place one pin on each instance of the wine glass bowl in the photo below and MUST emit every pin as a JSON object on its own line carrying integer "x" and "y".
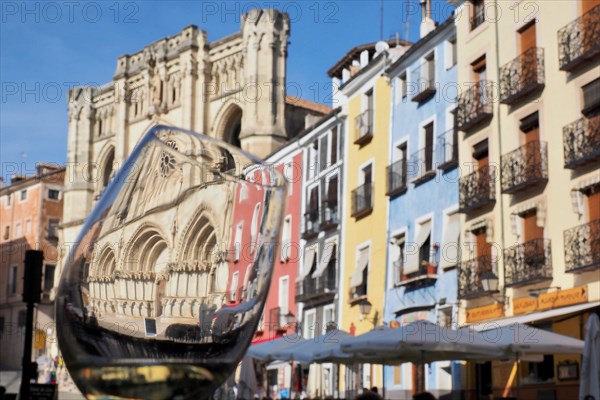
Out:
{"x": 162, "y": 293}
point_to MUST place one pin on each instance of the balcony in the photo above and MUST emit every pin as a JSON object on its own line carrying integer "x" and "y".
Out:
{"x": 426, "y": 275}
{"x": 524, "y": 167}
{"x": 425, "y": 84}
{"x": 477, "y": 190}
{"x": 364, "y": 128}
{"x": 421, "y": 165}
{"x": 579, "y": 41}
{"x": 311, "y": 224}
{"x": 475, "y": 105}
{"x": 318, "y": 289}
{"x": 396, "y": 178}
{"x": 582, "y": 247}
{"x": 362, "y": 200}
{"x": 581, "y": 142}
{"x": 469, "y": 277}
{"x": 329, "y": 215}
{"x": 448, "y": 150}
{"x": 527, "y": 263}
{"x": 522, "y": 76}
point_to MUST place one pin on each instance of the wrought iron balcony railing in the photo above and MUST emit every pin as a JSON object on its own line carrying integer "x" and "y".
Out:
{"x": 527, "y": 263}
{"x": 364, "y": 127}
{"x": 448, "y": 149}
{"x": 396, "y": 178}
{"x": 423, "y": 84}
{"x": 582, "y": 247}
{"x": 313, "y": 288}
{"x": 329, "y": 215}
{"x": 522, "y": 75}
{"x": 475, "y": 105}
{"x": 421, "y": 165}
{"x": 524, "y": 167}
{"x": 477, "y": 189}
{"x": 478, "y": 18}
{"x": 469, "y": 276}
{"x": 311, "y": 224}
{"x": 581, "y": 141}
{"x": 362, "y": 200}
{"x": 579, "y": 41}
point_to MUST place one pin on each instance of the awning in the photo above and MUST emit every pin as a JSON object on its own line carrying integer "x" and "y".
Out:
{"x": 414, "y": 308}
{"x": 535, "y": 316}
{"x": 328, "y": 251}
{"x": 450, "y": 246}
{"x": 412, "y": 260}
{"x": 363, "y": 262}
{"x": 309, "y": 259}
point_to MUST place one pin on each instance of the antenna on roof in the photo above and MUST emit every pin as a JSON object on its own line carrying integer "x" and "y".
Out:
{"x": 406, "y": 20}
{"x": 381, "y": 22}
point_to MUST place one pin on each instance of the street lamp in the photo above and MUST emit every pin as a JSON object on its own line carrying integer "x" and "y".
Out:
{"x": 365, "y": 307}
{"x": 289, "y": 318}
{"x": 489, "y": 281}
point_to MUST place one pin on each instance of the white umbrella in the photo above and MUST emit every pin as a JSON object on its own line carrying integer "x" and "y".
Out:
{"x": 265, "y": 351}
{"x": 423, "y": 341}
{"x": 524, "y": 339}
{"x": 247, "y": 384}
{"x": 590, "y": 366}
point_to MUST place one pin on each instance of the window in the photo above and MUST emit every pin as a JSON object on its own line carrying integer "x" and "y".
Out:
{"x": 286, "y": 239}
{"x": 328, "y": 317}
{"x": 6, "y": 232}
{"x": 591, "y": 98}
{"x": 23, "y": 195}
{"x": 418, "y": 253}
{"x": 312, "y": 159}
{"x": 334, "y": 145}
{"x": 479, "y": 69}
{"x": 8, "y": 199}
{"x": 237, "y": 244}
{"x": 53, "y": 194}
{"x": 366, "y": 174}
{"x": 52, "y": 230}
{"x": 49, "y": 277}
{"x": 1, "y": 327}
{"x": 428, "y": 148}
{"x": 359, "y": 279}
{"x": 284, "y": 295}
{"x": 450, "y": 53}
{"x": 429, "y": 70}
{"x": 233, "y": 287}
{"x": 309, "y": 324}
{"x": 527, "y": 37}
{"x": 18, "y": 230}
{"x": 445, "y": 316}
{"x": 254, "y": 227}
{"x": 403, "y": 85}
{"x": 28, "y": 226}
{"x": 369, "y": 100}
{"x": 323, "y": 154}
{"x": 477, "y": 13}
{"x": 12, "y": 280}
{"x": 332, "y": 192}
{"x": 397, "y": 251}
{"x": 21, "y": 321}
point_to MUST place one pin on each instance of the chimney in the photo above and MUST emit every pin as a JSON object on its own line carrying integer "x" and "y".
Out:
{"x": 16, "y": 179}
{"x": 427, "y": 23}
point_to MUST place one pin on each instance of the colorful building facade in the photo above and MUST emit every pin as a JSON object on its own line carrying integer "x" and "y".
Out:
{"x": 528, "y": 194}
{"x": 422, "y": 188}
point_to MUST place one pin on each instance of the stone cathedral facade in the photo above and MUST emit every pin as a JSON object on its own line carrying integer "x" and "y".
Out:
{"x": 232, "y": 89}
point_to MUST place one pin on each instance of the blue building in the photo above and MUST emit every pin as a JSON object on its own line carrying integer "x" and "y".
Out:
{"x": 422, "y": 186}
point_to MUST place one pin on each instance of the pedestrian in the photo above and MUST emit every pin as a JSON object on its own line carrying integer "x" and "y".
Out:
{"x": 424, "y": 396}
{"x": 368, "y": 395}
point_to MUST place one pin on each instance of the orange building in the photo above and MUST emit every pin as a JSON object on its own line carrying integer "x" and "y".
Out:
{"x": 30, "y": 213}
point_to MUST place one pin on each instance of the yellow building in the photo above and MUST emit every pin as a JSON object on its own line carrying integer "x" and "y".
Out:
{"x": 365, "y": 94}
{"x": 528, "y": 111}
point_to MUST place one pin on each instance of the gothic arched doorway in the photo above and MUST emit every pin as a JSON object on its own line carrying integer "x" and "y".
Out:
{"x": 231, "y": 125}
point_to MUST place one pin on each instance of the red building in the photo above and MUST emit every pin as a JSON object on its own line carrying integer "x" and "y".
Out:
{"x": 280, "y": 304}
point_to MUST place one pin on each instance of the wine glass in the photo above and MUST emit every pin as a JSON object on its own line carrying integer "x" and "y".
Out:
{"x": 162, "y": 293}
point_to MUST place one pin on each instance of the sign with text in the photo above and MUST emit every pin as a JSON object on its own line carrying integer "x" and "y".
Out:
{"x": 547, "y": 301}
{"x": 484, "y": 313}
{"x": 39, "y": 391}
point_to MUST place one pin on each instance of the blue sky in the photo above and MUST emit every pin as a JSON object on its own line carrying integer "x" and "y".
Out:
{"x": 48, "y": 47}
